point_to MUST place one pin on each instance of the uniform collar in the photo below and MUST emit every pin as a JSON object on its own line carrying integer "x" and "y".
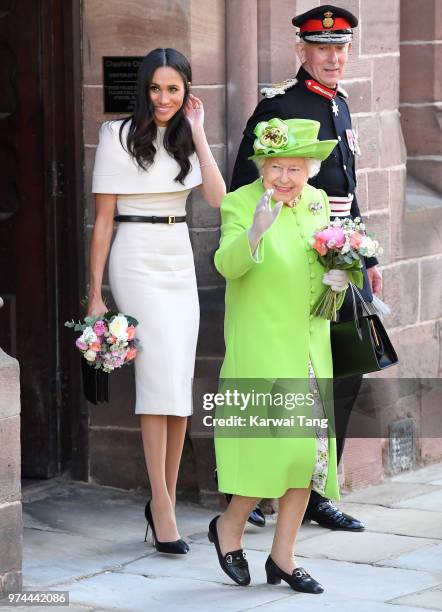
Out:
{"x": 317, "y": 88}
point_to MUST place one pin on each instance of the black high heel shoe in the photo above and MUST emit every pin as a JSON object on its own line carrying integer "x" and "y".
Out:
{"x": 234, "y": 563}
{"x": 298, "y": 580}
{"x": 177, "y": 547}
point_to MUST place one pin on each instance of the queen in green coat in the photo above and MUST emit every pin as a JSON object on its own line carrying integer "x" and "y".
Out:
{"x": 274, "y": 279}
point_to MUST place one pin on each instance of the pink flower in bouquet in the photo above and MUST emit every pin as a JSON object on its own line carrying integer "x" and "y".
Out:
{"x": 355, "y": 240}
{"x": 130, "y": 332}
{"x": 320, "y": 247}
{"x": 131, "y": 354}
{"x": 95, "y": 346}
{"x": 112, "y": 339}
{"x": 100, "y": 328}
{"x": 81, "y": 345}
{"x": 332, "y": 237}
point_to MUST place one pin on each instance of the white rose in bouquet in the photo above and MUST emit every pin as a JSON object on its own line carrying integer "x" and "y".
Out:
{"x": 88, "y": 336}
{"x": 118, "y": 327}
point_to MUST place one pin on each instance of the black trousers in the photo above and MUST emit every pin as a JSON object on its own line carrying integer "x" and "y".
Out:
{"x": 345, "y": 392}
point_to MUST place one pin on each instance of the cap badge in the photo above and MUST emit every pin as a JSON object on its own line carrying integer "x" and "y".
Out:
{"x": 328, "y": 21}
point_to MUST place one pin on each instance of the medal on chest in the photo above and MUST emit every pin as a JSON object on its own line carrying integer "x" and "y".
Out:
{"x": 352, "y": 141}
{"x": 335, "y": 107}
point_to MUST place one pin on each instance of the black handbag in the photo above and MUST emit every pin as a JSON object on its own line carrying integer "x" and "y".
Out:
{"x": 95, "y": 383}
{"x": 361, "y": 344}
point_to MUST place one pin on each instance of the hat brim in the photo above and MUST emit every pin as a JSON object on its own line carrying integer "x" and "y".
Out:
{"x": 317, "y": 150}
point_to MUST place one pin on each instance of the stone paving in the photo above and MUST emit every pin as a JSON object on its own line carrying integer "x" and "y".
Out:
{"x": 88, "y": 540}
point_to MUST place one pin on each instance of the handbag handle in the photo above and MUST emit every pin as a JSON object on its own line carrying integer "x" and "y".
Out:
{"x": 365, "y": 306}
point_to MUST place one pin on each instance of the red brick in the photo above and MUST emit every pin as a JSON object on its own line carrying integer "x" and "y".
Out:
{"x": 361, "y": 192}
{"x": 214, "y": 101}
{"x": 380, "y": 26}
{"x": 385, "y": 83}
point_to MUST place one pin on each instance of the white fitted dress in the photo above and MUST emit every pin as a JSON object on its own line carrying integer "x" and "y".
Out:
{"x": 152, "y": 277}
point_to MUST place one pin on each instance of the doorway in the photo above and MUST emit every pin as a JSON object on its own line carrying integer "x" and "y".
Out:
{"x": 41, "y": 244}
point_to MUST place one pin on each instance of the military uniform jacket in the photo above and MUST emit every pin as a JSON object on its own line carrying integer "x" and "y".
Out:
{"x": 337, "y": 176}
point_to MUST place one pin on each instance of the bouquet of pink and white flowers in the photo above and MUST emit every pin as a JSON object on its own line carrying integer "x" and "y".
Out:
{"x": 107, "y": 342}
{"x": 340, "y": 246}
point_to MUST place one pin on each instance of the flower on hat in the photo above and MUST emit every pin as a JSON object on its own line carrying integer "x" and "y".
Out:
{"x": 270, "y": 135}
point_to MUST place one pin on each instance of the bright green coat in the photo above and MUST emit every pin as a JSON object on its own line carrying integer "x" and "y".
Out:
{"x": 270, "y": 333}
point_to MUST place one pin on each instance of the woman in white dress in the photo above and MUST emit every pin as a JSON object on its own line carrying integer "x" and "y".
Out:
{"x": 146, "y": 166}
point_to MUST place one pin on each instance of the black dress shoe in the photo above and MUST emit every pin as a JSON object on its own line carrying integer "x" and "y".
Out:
{"x": 234, "y": 563}
{"x": 298, "y": 580}
{"x": 177, "y": 547}
{"x": 326, "y": 514}
{"x": 256, "y": 516}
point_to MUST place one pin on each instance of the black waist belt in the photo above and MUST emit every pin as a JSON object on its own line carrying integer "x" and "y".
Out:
{"x": 170, "y": 220}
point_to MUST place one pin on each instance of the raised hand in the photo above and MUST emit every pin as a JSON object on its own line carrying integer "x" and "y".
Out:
{"x": 264, "y": 216}
{"x": 194, "y": 111}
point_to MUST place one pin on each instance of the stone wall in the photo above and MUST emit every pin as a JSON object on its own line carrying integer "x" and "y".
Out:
{"x": 10, "y": 489}
{"x": 235, "y": 47}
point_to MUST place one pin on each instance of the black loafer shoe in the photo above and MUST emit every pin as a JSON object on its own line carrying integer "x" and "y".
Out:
{"x": 298, "y": 580}
{"x": 233, "y": 563}
{"x": 256, "y": 517}
{"x": 328, "y": 515}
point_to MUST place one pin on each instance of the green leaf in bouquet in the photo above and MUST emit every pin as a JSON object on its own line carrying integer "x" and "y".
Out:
{"x": 356, "y": 277}
{"x": 109, "y": 314}
{"x": 132, "y": 321}
{"x": 69, "y": 323}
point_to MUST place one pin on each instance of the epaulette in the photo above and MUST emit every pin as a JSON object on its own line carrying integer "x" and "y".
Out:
{"x": 342, "y": 91}
{"x": 278, "y": 89}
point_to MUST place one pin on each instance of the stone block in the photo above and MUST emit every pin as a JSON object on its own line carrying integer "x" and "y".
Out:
{"x": 111, "y": 27}
{"x": 359, "y": 95}
{"x": 362, "y": 190}
{"x": 401, "y": 292}
{"x": 211, "y": 332}
{"x": 392, "y": 146}
{"x": 417, "y": 19}
{"x": 431, "y": 288}
{"x": 431, "y": 448}
{"x": 418, "y": 82}
{"x": 362, "y": 462}
{"x": 380, "y": 23}
{"x": 421, "y": 129}
{"x": 378, "y": 189}
{"x": 379, "y": 226}
{"x": 398, "y": 248}
{"x": 10, "y": 537}
{"x": 417, "y": 223}
{"x": 11, "y": 582}
{"x": 357, "y": 67}
{"x": 10, "y": 460}
{"x": 418, "y": 349}
{"x": 205, "y": 243}
{"x": 10, "y": 386}
{"x": 207, "y": 42}
{"x": 276, "y": 53}
{"x": 429, "y": 171}
{"x": 214, "y": 101}
{"x": 200, "y": 214}
{"x": 94, "y": 115}
{"x": 368, "y": 133}
{"x": 385, "y": 83}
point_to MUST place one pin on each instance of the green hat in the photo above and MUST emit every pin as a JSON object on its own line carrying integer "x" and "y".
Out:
{"x": 290, "y": 138}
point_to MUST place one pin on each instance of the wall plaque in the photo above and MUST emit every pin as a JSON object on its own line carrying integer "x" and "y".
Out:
{"x": 119, "y": 83}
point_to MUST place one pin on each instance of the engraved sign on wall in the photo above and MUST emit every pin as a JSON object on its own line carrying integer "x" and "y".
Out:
{"x": 119, "y": 83}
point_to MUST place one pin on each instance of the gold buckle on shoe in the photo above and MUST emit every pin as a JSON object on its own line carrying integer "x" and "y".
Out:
{"x": 171, "y": 220}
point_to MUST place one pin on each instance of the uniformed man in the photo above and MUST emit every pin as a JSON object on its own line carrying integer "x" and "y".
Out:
{"x": 325, "y": 35}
